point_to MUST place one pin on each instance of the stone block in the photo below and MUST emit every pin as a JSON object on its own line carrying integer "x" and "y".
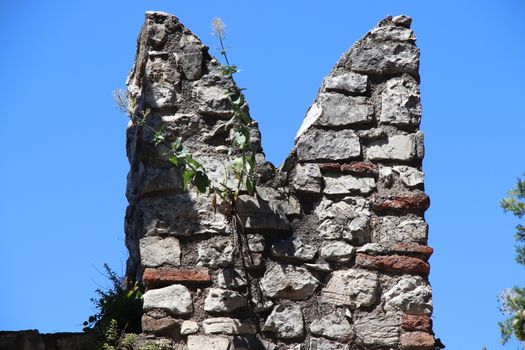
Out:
{"x": 200, "y": 342}
{"x": 333, "y": 326}
{"x": 288, "y": 282}
{"x": 338, "y": 110}
{"x": 226, "y": 325}
{"x": 348, "y": 82}
{"x": 346, "y": 184}
{"x": 377, "y": 330}
{"x": 393, "y": 263}
{"x": 416, "y": 323}
{"x": 215, "y": 253}
{"x": 165, "y": 276}
{"x": 175, "y": 299}
{"x": 336, "y": 251}
{"x": 411, "y": 294}
{"x": 286, "y": 322}
{"x": 158, "y": 251}
{"x": 353, "y": 288}
{"x": 317, "y": 144}
{"x": 307, "y": 178}
{"x": 400, "y": 102}
{"x": 398, "y": 147}
{"x": 294, "y": 248}
{"x": 417, "y": 341}
{"x": 223, "y": 300}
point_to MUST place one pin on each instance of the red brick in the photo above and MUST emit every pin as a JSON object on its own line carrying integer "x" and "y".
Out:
{"x": 417, "y": 341}
{"x": 360, "y": 168}
{"x": 416, "y": 323}
{"x": 393, "y": 263}
{"x": 409, "y": 248}
{"x": 382, "y": 203}
{"x": 165, "y": 276}
{"x": 330, "y": 167}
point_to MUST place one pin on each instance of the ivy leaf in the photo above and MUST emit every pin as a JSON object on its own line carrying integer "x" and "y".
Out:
{"x": 201, "y": 181}
{"x": 187, "y": 176}
{"x": 238, "y": 165}
{"x": 240, "y": 139}
{"x": 250, "y": 185}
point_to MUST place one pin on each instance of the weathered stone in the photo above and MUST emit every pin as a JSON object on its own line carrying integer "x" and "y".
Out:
{"x": 226, "y": 325}
{"x": 159, "y": 326}
{"x": 400, "y": 103}
{"x": 288, "y": 282}
{"x": 338, "y": 110}
{"x": 336, "y": 251}
{"x": 402, "y": 21}
{"x": 159, "y": 251}
{"x": 354, "y": 288}
{"x": 230, "y": 278}
{"x": 307, "y": 178}
{"x": 294, "y": 248}
{"x": 361, "y": 168}
{"x": 256, "y": 242}
{"x": 189, "y": 327}
{"x": 257, "y": 213}
{"x": 161, "y": 80}
{"x": 398, "y": 147}
{"x": 394, "y": 229}
{"x": 318, "y": 267}
{"x": 417, "y": 341}
{"x": 358, "y": 231}
{"x": 387, "y": 57}
{"x": 412, "y": 295}
{"x": 157, "y": 34}
{"x": 316, "y": 144}
{"x": 345, "y": 184}
{"x": 324, "y": 344}
{"x": 333, "y": 326}
{"x": 223, "y": 300}
{"x": 348, "y": 208}
{"x": 381, "y": 330}
{"x": 215, "y": 254}
{"x": 213, "y": 100}
{"x": 386, "y": 176}
{"x": 331, "y": 229}
{"x": 416, "y": 201}
{"x": 411, "y": 177}
{"x": 165, "y": 276}
{"x": 199, "y": 342}
{"x": 175, "y": 299}
{"x": 348, "y": 82}
{"x": 392, "y": 33}
{"x": 191, "y": 63}
{"x": 393, "y": 263}
{"x": 286, "y": 322}
{"x": 416, "y": 323}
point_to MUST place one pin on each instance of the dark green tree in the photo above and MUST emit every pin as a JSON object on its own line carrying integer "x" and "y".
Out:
{"x": 512, "y": 301}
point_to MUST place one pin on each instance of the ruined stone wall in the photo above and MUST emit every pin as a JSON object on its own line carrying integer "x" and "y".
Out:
{"x": 337, "y": 234}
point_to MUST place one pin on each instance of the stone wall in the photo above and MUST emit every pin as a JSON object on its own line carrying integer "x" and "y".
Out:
{"x": 337, "y": 234}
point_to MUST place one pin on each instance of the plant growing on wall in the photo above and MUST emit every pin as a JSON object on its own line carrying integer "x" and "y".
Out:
{"x": 512, "y": 301}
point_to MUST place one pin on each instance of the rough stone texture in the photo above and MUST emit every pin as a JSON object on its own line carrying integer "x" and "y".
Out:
{"x": 285, "y": 321}
{"x": 334, "y": 241}
{"x": 33, "y": 340}
{"x": 412, "y": 294}
{"x": 226, "y": 325}
{"x": 175, "y": 299}
{"x": 223, "y": 300}
{"x": 288, "y": 282}
{"x": 354, "y": 288}
{"x": 382, "y": 330}
{"x": 333, "y": 326}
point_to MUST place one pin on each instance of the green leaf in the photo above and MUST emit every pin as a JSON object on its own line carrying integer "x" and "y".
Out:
{"x": 250, "y": 163}
{"x": 238, "y": 165}
{"x": 250, "y": 185}
{"x": 187, "y": 176}
{"x": 240, "y": 139}
{"x": 190, "y": 160}
{"x": 201, "y": 181}
{"x": 174, "y": 160}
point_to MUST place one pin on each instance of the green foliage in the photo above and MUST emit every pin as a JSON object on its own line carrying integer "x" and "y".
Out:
{"x": 119, "y": 309}
{"x": 512, "y": 301}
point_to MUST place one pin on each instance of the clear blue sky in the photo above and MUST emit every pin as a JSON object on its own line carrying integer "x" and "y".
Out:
{"x": 63, "y": 168}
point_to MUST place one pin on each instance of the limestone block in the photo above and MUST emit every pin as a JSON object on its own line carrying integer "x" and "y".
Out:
{"x": 213, "y": 100}
{"x": 358, "y": 231}
{"x": 349, "y": 82}
{"x": 199, "y": 342}
{"x": 398, "y": 147}
{"x": 336, "y": 251}
{"x": 226, "y": 325}
{"x": 223, "y": 300}
{"x": 395, "y": 229}
{"x": 379, "y": 330}
{"x": 410, "y": 177}
{"x": 338, "y": 110}
{"x": 316, "y": 144}
{"x": 307, "y": 178}
{"x": 259, "y": 213}
{"x": 215, "y": 254}
{"x": 402, "y": 21}
{"x": 175, "y": 299}
{"x": 286, "y": 322}
{"x": 158, "y": 251}
{"x": 392, "y": 33}
{"x": 325, "y": 344}
{"x": 161, "y": 81}
{"x": 386, "y": 57}
{"x": 230, "y": 278}
{"x": 189, "y": 327}
{"x": 346, "y": 184}
{"x": 400, "y": 104}
{"x": 412, "y": 295}
{"x": 333, "y": 326}
{"x": 353, "y": 288}
{"x": 288, "y": 282}
{"x": 331, "y": 229}
{"x": 294, "y": 248}
{"x": 256, "y": 242}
